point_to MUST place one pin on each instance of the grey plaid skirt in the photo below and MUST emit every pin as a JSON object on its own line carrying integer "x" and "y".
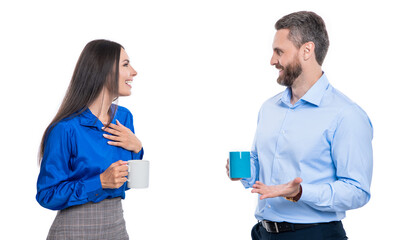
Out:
{"x": 102, "y": 220}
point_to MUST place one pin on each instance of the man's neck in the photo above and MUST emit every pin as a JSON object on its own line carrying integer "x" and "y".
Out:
{"x": 303, "y": 83}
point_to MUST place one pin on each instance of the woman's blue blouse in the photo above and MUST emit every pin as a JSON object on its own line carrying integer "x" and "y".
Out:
{"x": 75, "y": 155}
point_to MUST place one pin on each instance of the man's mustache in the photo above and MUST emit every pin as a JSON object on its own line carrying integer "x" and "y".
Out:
{"x": 278, "y": 66}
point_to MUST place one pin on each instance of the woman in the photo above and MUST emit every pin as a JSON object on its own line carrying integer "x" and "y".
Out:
{"x": 84, "y": 149}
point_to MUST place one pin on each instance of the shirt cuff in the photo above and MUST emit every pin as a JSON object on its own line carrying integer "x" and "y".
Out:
{"x": 245, "y": 182}
{"x": 312, "y": 193}
{"x": 139, "y": 155}
{"x": 93, "y": 187}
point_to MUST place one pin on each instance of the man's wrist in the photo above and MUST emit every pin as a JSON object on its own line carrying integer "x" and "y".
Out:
{"x": 296, "y": 197}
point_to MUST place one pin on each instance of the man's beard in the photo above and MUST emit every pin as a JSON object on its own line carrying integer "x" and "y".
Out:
{"x": 290, "y": 73}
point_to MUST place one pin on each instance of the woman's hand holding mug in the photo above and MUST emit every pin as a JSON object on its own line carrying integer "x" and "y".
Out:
{"x": 115, "y": 175}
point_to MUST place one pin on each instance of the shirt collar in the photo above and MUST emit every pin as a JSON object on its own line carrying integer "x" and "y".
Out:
{"x": 316, "y": 92}
{"x": 313, "y": 95}
{"x": 87, "y": 118}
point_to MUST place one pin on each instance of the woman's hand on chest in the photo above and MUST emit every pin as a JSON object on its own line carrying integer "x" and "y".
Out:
{"x": 122, "y": 136}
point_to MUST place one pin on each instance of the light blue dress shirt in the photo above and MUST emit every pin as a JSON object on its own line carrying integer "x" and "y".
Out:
{"x": 75, "y": 155}
{"x": 325, "y": 139}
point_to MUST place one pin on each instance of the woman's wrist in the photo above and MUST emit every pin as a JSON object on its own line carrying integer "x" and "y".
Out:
{"x": 137, "y": 148}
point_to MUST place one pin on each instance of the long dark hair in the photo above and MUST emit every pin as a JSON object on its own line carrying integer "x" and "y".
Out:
{"x": 98, "y": 66}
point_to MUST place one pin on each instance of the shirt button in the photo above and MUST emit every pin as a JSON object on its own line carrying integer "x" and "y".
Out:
{"x": 283, "y": 131}
{"x": 269, "y": 206}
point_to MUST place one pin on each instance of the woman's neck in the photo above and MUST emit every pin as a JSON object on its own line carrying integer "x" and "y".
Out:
{"x": 101, "y": 106}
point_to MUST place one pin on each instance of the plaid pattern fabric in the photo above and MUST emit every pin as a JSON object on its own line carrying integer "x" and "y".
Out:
{"x": 102, "y": 220}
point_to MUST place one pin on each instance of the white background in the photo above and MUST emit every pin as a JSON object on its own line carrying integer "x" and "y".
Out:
{"x": 203, "y": 73}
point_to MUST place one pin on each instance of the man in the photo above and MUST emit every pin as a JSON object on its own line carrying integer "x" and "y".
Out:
{"x": 311, "y": 158}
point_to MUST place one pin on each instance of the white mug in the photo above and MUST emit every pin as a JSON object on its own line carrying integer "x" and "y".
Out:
{"x": 138, "y": 174}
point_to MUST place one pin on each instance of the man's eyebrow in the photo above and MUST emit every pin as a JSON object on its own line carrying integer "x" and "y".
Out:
{"x": 278, "y": 50}
{"x": 125, "y": 60}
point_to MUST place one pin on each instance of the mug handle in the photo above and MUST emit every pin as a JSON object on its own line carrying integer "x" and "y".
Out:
{"x": 129, "y": 169}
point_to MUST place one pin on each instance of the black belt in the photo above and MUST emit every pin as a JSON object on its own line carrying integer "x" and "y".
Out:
{"x": 278, "y": 227}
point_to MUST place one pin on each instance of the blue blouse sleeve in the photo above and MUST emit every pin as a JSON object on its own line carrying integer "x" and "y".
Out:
{"x": 56, "y": 189}
{"x": 138, "y": 155}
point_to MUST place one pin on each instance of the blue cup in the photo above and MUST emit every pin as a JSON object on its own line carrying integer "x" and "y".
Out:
{"x": 239, "y": 164}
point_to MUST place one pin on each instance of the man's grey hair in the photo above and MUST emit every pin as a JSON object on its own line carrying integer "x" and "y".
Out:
{"x": 306, "y": 27}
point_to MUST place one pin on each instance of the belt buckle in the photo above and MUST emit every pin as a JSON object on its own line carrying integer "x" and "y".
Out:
{"x": 266, "y": 224}
{"x": 276, "y": 226}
